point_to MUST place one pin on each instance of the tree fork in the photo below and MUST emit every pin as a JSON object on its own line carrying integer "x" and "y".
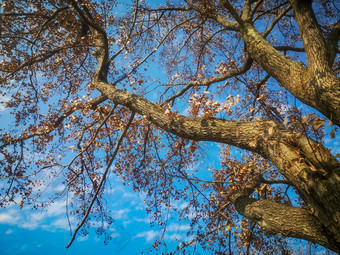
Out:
{"x": 285, "y": 220}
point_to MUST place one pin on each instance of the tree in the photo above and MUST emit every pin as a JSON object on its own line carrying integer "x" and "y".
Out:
{"x": 260, "y": 76}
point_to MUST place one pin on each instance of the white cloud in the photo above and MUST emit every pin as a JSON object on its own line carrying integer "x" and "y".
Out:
{"x": 57, "y": 208}
{"x": 82, "y": 238}
{"x": 177, "y": 227}
{"x": 121, "y": 214}
{"x": 148, "y": 235}
{"x": 115, "y": 234}
{"x": 9, "y": 231}
{"x": 30, "y": 225}
{"x": 145, "y": 220}
{"x": 173, "y": 237}
{"x": 11, "y": 217}
{"x": 58, "y": 224}
{"x": 3, "y": 101}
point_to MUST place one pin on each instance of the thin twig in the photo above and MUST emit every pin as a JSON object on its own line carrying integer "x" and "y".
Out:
{"x": 102, "y": 180}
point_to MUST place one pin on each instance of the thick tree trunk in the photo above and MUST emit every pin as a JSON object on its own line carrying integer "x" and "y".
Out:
{"x": 284, "y": 220}
{"x": 310, "y": 167}
{"x": 316, "y": 87}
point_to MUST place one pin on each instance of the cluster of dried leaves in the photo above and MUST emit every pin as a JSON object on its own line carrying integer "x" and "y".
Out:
{"x": 186, "y": 57}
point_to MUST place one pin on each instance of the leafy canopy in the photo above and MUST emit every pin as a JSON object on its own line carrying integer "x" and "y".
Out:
{"x": 140, "y": 90}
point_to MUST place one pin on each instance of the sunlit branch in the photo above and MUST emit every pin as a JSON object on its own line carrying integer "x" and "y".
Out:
{"x": 229, "y": 25}
{"x": 312, "y": 36}
{"x": 54, "y": 14}
{"x": 93, "y": 104}
{"x": 332, "y": 40}
{"x": 276, "y": 20}
{"x": 129, "y": 34}
{"x": 247, "y": 10}
{"x": 267, "y": 11}
{"x": 94, "y": 136}
{"x": 238, "y": 71}
{"x": 273, "y": 218}
{"x": 103, "y": 179}
{"x": 150, "y": 53}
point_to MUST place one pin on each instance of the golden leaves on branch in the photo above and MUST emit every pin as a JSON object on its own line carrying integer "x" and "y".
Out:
{"x": 205, "y": 105}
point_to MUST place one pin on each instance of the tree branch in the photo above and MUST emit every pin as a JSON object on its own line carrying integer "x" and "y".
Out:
{"x": 237, "y": 133}
{"x": 309, "y": 168}
{"x": 103, "y": 179}
{"x": 55, "y": 123}
{"x": 284, "y": 220}
{"x": 332, "y": 40}
{"x": 276, "y": 20}
{"x": 101, "y": 41}
{"x": 289, "y": 48}
{"x": 230, "y": 25}
{"x": 238, "y": 71}
{"x": 312, "y": 37}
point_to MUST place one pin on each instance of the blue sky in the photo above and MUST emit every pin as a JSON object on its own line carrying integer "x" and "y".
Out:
{"x": 27, "y": 231}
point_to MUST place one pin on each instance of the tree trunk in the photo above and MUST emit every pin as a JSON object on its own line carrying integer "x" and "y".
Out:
{"x": 310, "y": 167}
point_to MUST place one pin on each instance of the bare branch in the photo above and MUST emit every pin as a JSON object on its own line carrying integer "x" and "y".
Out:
{"x": 101, "y": 42}
{"x": 233, "y": 12}
{"x": 238, "y": 71}
{"x": 124, "y": 76}
{"x": 129, "y": 34}
{"x": 312, "y": 36}
{"x": 229, "y": 25}
{"x": 93, "y": 104}
{"x": 289, "y": 48}
{"x": 103, "y": 179}
{"x": 276, "y": 20}
{"x": 282, "y": 219}
{"x": 256, "y": 6}
{"x": 332, "y": 40}
{"x": 54, "y": 14}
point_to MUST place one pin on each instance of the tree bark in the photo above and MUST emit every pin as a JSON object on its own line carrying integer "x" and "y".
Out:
{"x": 284, "y": 220}
{"x": 310, "y": 167}
{"x": 315, "y": 86}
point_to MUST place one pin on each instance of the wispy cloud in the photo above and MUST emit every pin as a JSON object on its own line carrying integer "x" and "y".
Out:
{"x": 178, "y": 227}
{"x": 3, "y": 101}
{"x": 10, "y": 217}
{"x": 148, "y": 235}
{"x": 9, "y": 231}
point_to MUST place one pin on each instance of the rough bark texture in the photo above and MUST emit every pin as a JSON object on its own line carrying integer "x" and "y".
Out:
{"x": 315, "y": 173}
{"x": 281, "y": 219}
{"x": 316, "y": 87}
{"x": 310, "y": 167}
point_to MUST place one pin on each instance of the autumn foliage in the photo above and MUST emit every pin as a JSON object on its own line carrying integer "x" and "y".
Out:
{"x": 145, "y": 91}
